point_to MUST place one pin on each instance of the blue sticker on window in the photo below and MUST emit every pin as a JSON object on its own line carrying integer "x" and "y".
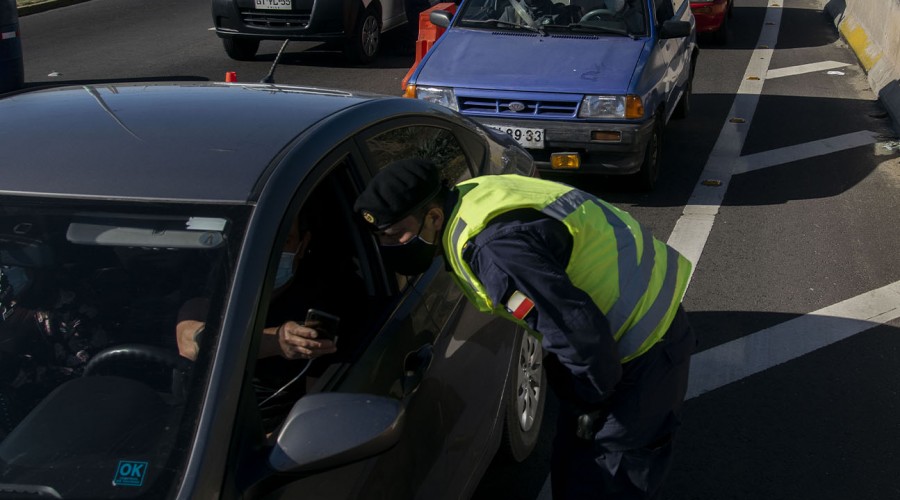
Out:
{"x": 130, "y": 473}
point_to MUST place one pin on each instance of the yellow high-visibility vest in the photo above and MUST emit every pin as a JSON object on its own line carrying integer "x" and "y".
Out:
{"x": 636, "y": 280}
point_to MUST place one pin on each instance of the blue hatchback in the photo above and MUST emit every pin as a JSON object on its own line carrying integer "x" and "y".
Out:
{"x": 586, "y": 85}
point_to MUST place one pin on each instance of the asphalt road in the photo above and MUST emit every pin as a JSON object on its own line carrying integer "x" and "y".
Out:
{"x": 796, "y": 290}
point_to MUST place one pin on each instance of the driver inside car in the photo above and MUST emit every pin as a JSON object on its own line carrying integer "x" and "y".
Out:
{"x": 310, "y": 274}
{"x": 283, "y": 336}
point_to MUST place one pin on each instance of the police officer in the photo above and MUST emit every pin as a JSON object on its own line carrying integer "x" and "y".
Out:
{"x": 602, "y": 294}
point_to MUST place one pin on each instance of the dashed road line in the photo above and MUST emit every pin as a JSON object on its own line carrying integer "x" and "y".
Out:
{"x": 692, "y": 229}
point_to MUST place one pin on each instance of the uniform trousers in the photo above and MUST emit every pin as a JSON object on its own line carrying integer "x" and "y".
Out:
{"x": 631, "y": 452}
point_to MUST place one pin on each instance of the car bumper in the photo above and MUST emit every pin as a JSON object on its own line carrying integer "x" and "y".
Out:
{"x": 709, "y": 15}
{"x": 597, "y": 157}
{"x": 302, "y": 23}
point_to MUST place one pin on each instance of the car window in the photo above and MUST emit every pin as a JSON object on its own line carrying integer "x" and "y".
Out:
{"x": 419, "y": 141}
{"x": 330, "y": 274}
{"x": 96, "y": 400}
{"x": 664, "y": 11}
{"x": 437, "y": 144}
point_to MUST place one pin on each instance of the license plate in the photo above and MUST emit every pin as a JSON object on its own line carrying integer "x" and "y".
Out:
{"x": 527, "y": 137}
{"x": 273, "y": 4}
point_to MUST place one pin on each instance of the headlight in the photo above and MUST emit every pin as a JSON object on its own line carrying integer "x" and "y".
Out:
{"x": 611, "y": 106}
{"x": 438, "y": 95}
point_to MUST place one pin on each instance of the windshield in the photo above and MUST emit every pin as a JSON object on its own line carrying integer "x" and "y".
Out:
{"x": 94, "y": 399}
{"x": 622, "y": 17}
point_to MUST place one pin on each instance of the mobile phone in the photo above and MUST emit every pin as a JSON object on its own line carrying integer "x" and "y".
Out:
{"x": 325, "y": 324}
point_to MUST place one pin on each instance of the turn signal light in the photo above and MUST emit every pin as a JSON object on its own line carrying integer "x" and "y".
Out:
{"x": 410, "y": 92}
{"x": 634, "y": 108}
{"x": 565, "y": 161}
{"x": 606, "y": 136}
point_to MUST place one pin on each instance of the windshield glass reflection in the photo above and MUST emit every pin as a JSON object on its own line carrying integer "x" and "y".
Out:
{"x": 95, "y": 399}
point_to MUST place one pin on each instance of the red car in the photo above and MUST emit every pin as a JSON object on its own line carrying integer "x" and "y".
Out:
{"x": 712, "y": 18}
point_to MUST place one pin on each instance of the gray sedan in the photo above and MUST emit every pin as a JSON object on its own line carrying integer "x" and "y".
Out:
{"x": 121, "y": 205}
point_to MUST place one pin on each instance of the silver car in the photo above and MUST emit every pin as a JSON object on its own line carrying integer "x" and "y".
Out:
{"x": 355, "y": 25}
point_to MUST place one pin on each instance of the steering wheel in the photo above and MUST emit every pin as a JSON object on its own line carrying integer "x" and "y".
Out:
{"x": 111, "y": 359}
{"x": 598, "y": 13}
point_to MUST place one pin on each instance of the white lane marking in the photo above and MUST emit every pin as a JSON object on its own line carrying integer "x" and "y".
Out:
{"x": 693, "y": 227}
{"x": 803, "y": 69}
{"x": 798, "y": 152}
{"x": 740, "y": 358}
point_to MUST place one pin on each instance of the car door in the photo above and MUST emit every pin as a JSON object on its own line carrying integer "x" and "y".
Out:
{"x": 392, "y": 13}
{"x": 413, "y": 339}
{"x": 471, "y": 353}
{"x": 676, "y": 52}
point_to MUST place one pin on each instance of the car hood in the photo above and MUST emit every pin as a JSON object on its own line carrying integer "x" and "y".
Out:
{"x": 554, "y": 63}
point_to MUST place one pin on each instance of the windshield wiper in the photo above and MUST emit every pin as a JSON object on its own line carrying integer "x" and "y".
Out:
{"x": 497, "y": 22}
{"x": 592, "y": 28}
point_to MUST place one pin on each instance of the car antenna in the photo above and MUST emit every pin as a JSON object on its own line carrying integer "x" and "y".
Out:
{"x": 270, "y": 78}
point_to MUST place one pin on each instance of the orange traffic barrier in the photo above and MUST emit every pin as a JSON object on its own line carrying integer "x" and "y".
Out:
{"x": 428, "y": 34}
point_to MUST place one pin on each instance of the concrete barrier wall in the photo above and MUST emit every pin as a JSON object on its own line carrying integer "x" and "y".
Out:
{"x": 872, "y": 29}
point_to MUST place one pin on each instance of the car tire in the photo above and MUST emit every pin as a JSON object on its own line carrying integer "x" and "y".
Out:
{"x": 365, "y": 37}
{"x": 649, "y": 172}
{"x": 683, "y": 108}
{"x": 241, "y": 49}
{"x": 525, "y": 401}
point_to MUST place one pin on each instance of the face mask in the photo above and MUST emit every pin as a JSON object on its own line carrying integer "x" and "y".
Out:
{"x": 285, "y": 269}
{"x": 410, "y": 258}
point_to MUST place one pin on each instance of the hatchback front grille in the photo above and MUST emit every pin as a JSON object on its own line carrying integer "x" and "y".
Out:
{"x": 501, "y": 107}
{"x": 266, "y": 19}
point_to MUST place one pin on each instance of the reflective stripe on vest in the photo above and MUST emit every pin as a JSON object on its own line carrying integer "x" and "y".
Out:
{"x": 637, "y": 319}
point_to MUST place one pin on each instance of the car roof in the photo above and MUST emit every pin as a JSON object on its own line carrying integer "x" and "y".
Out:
{"x": 161, "y": 141}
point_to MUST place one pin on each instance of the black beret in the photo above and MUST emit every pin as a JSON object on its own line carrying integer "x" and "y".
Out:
{"x": 398, "y": 190}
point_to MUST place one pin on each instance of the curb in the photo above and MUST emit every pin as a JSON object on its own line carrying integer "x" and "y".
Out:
{"x": 870, "y": 56}
{"x": 45, "y": 6}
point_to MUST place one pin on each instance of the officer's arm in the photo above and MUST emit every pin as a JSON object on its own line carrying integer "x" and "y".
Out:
{"x": 531, "y": 258}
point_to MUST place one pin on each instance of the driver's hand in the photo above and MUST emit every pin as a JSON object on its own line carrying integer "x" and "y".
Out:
{"x": 299, "y": 342}
{"x": 186, "y": 334}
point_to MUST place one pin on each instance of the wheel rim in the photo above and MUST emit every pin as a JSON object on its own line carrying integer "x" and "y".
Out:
{"x": 528, "y": 382}
{"x": 370, "y": 35}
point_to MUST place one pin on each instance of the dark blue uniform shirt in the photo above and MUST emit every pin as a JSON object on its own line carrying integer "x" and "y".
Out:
{"x": 526, "y": 251}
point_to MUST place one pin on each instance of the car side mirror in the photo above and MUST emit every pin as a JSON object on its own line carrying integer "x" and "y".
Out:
{"x": 674, "y": 29}
{"x": 440, "y": 18}
{"x": 330, "y": 429}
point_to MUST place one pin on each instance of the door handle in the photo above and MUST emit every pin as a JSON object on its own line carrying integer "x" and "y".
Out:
{"x": 415, "y": 364}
